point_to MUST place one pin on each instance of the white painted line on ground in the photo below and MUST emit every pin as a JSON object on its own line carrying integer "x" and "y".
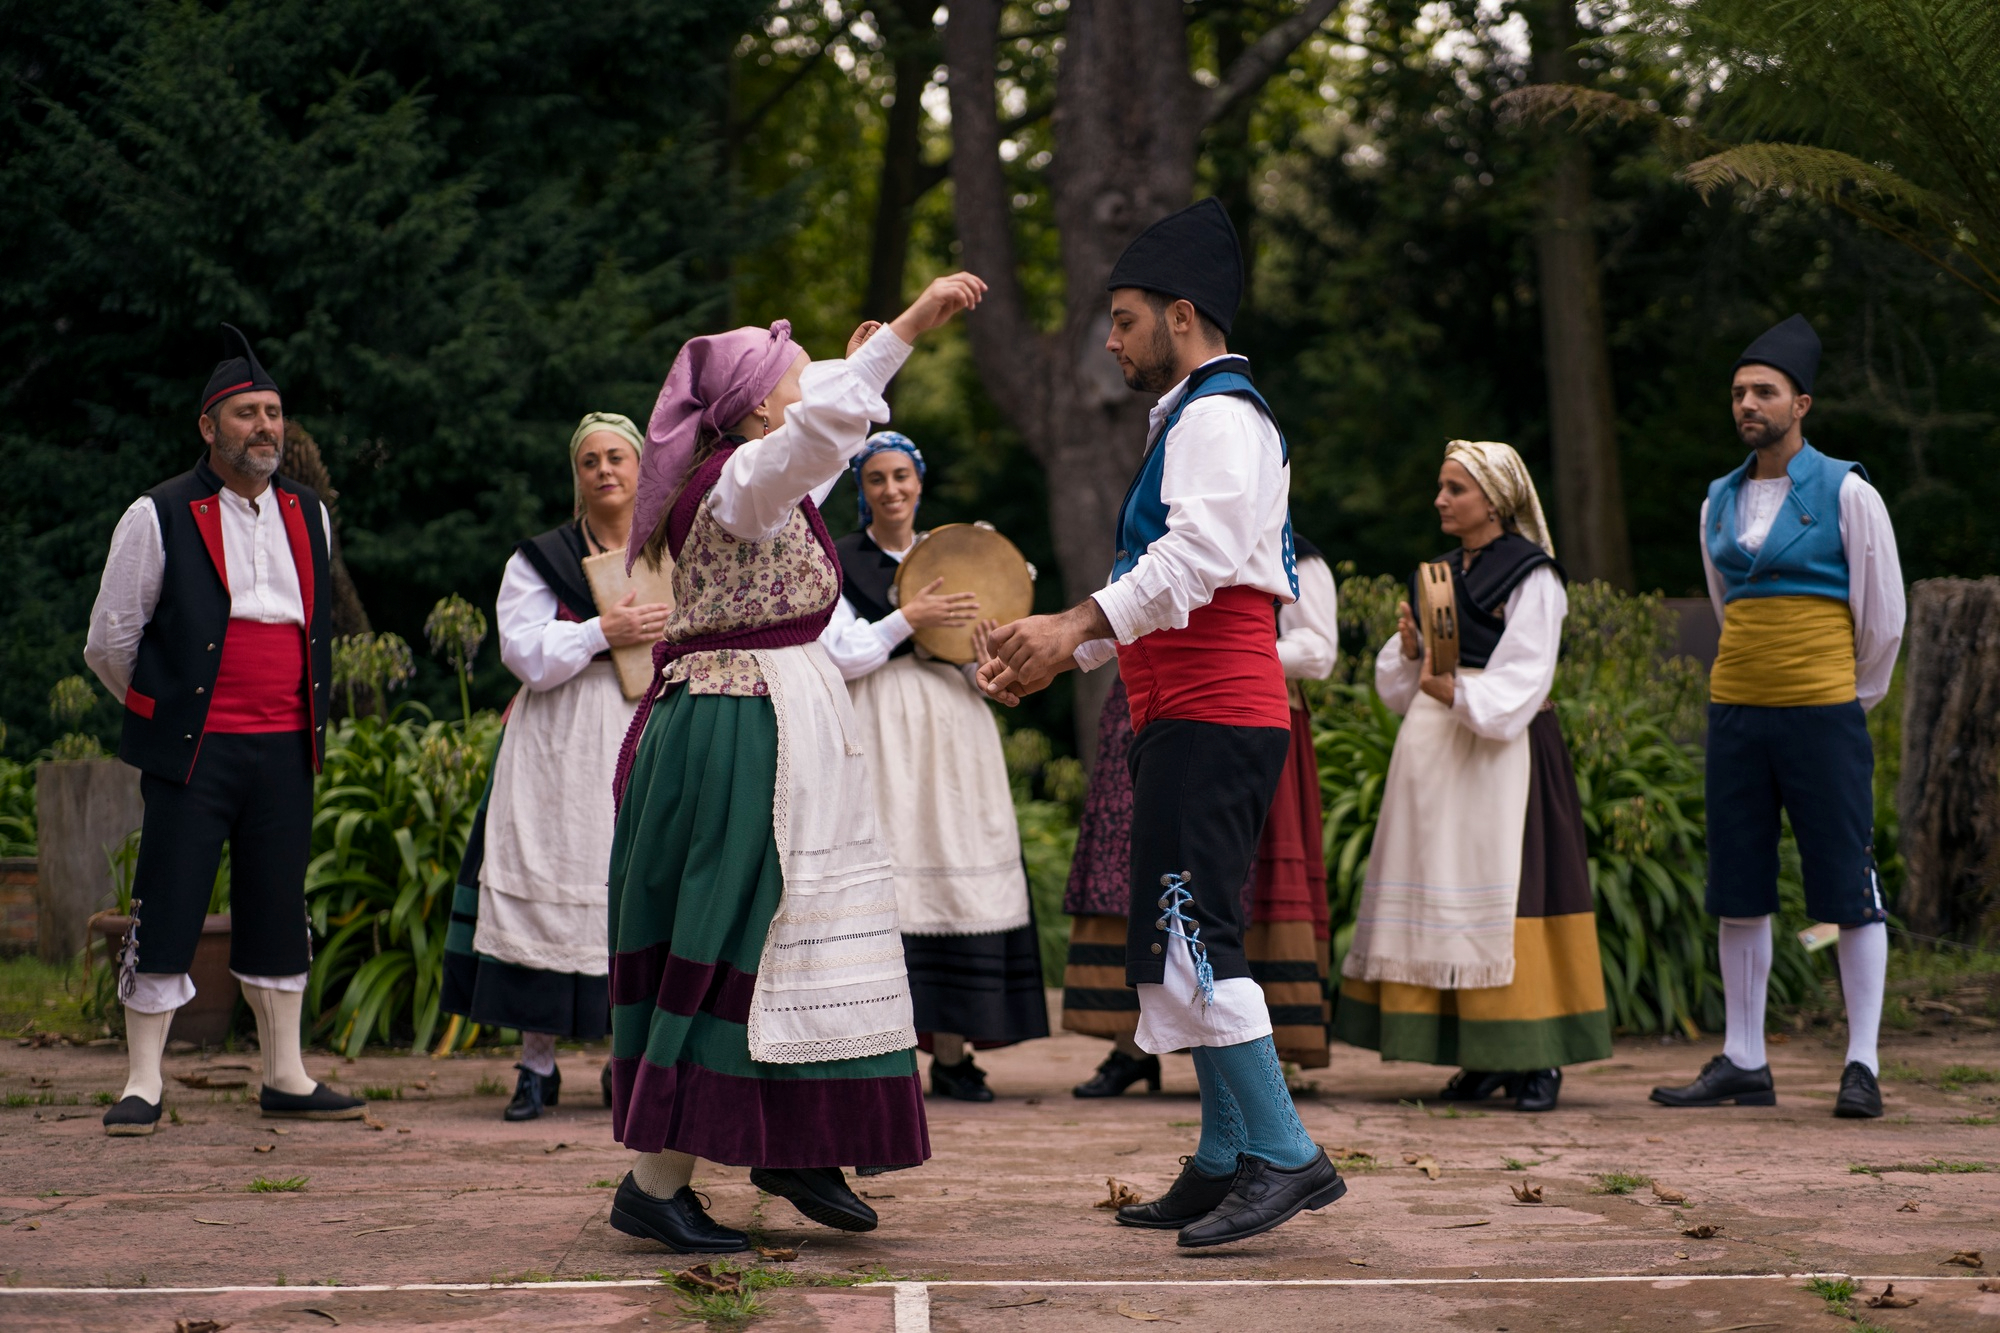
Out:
{"x": 913, "y": 1307}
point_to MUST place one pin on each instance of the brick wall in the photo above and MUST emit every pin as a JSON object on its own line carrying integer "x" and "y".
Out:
{"x": 17, "y": 905}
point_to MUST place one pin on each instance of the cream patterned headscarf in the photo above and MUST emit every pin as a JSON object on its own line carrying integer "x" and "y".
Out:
{"x": 592, "y": 423}
{"x": 1504, "y": 477}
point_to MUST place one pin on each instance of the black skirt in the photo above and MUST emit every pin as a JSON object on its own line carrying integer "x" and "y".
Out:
{"x": 986, "y": 988}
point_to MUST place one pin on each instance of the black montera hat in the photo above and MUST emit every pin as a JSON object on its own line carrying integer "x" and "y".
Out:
{"x": 237, "y": 372}
{"x": 1191, "y": 256}
{"x": 1792, "y": 347}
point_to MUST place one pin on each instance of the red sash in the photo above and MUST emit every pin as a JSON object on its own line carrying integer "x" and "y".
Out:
{"x": 261, "y": 684}
{"x": 1222, "y": 668}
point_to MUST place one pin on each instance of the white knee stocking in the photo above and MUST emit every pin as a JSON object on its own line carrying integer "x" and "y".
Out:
{"x": 145, "y": 1042}
{"x": 277, "y": 1014}
{"x": 1745, "y": 949}
{"x": 1864, "y": 974}
{"x": 538, "y": 1052}
{"x": 662, "y": 1174}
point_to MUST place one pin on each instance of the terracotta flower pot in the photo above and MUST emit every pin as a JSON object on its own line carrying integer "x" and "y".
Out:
{"x": 204, "y": 1020}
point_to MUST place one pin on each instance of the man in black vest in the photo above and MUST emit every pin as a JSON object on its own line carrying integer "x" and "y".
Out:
{"x": 211, "y": 624}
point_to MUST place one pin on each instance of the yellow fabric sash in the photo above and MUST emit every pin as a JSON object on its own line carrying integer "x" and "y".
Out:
{"x": 1784, "y": 652}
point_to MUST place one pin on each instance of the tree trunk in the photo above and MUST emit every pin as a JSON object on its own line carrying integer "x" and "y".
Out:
{"x": 1583, "y": 423}
{"x": 1949, "y": 793}
{"x": 303, "y": 462}
{"x": 913, "y": 55}
{"x": 84, "y": 810}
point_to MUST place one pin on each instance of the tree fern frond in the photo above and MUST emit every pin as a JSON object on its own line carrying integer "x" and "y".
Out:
{"x": 1821, "y": 173}
{"x": 1543, "y": 103}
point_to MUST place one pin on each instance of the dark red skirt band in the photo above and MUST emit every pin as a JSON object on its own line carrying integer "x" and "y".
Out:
{"x": 654, "y": 976}
{"x": 768, "y": 1122}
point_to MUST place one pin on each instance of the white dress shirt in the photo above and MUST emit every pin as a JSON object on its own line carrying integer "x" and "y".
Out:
{"x": 1309, "y": 629}
{"x": 1227, "y": 488}
{"x": 542, "y": 651}
{"x": 1502, "y": 699}
{"x": 256, "y": 553}
{"x": 1874, "y": 571}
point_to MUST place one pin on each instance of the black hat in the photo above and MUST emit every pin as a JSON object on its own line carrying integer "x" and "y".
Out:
{"x": 1191, "y": 256}
{"x": 237, "y": 372}
{"x": 1792, "y": 347}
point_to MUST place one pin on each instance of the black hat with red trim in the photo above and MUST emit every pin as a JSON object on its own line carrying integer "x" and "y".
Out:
{"x": 237, "y": 372}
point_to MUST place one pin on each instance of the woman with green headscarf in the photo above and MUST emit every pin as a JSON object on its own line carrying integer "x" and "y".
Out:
{"x": 528, "y": 948}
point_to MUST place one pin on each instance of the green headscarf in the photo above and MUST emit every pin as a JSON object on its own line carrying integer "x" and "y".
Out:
{"x": 592, "y": 423}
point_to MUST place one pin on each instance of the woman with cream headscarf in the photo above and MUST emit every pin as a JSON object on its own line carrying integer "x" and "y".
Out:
{"x": 527, "y": 946}
{"x": 760, "y": 1011}
{"x": 1476, "y": 942}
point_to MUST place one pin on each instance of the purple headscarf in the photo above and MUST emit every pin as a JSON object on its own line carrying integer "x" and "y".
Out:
{"x": 714, "y": 383}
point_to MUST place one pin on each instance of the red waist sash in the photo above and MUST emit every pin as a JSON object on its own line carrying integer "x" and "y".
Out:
{"x": 261, "y": 685}
{"x": 1222, "y": 668}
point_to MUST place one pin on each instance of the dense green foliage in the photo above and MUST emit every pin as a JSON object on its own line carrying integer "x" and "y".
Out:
{"x": 17, "y": 808}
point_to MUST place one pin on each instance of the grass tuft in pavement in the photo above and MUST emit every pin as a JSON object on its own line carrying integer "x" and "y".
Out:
{"x": 266, "y": 1185}
{"x": 1935, "y": 1167}
{"x": 1619, "y": 1182}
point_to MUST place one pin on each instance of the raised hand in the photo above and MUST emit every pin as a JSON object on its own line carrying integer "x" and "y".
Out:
{"x": 862, "y": 334}
{"x": 941, "y": 300}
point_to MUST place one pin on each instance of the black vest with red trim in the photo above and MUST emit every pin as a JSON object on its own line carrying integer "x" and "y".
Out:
{"x": 180, "y": 654}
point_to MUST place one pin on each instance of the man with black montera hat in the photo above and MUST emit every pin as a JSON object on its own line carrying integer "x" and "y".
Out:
{"x": 1204, "y": 554}
{"x": 1802, "y": 569}
{"x": 211, "y": 626}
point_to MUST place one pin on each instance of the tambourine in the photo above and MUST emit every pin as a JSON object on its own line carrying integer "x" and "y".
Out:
{"x": 1437, "y": 615}
{"x": 969, "y": 557}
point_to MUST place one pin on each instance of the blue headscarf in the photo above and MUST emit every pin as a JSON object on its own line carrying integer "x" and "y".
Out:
{"x": 880, "y": 442}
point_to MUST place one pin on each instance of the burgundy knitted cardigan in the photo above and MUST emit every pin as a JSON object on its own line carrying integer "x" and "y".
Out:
{"x": 784, "y": 634}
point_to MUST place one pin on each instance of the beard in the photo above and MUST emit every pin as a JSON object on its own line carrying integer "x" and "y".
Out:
{"x": 1759, "y": 433}
{"x": 1154, "y": 373}
{"x": 239, "y": 457}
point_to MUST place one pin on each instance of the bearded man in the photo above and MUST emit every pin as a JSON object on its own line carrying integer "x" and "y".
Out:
{"x": 211, "y": 624}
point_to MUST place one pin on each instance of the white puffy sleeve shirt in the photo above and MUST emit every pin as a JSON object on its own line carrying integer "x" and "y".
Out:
{"x": 860, "y": 646}
{"x": 1502, "y": 700}
{"x": 1874, "y": 570}
{"x": 1309, "y": 629}
{"x": 542, "y": 651}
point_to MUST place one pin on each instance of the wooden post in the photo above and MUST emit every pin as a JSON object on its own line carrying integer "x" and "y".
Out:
{"x": 85, "y": 808}
{"x": 1949, "y": 793}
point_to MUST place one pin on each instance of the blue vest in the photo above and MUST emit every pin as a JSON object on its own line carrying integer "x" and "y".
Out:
{"x": 1142, "y": 519}
{"x": 1802, "y": 556}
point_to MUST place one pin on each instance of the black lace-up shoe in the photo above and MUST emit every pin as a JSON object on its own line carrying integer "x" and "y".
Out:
{"x": 1860, "y": 1095}
{"x": 820, "y": 1192}
{"x": 532, "y": 1092}
{"x": 1263, "y": 1197}
{"x": 1119, "y": 1072}
{"x": 322, "y": 1103}
{"x": 1721, "y": 1081}
{"x": 681, "y": 1223}
{"x": 1191, "y": 1197}
{"x": 134, "y": 1117}
{"x": 964, "y": 1081}
{"x": 1538, "y": 1089}
{"x": 1475, "y": 1085}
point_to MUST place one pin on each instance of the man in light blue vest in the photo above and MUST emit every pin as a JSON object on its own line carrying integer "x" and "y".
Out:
{"x": 1802, "y": 569}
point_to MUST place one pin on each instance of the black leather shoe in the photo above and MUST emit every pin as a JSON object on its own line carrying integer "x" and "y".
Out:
{"x": 1475, "y": 1085}
{"x": 1119, "y": 1072}
{"x": 1721, "y": 1081}
{"x": 1263, "y": 1197}
{"x": 1860, "y": 1095}
{"x": 964, "y": 1081}
{"x": 604, "y": 1082}
{"x": 322, "y": 1103}
{"x": 134, "y": 1117}
{"x": 1537, "y": 1089}
{"x": 1191, "y": 1197}
{"x": 680, "y": 1223}
{"x": 820, "y": 1192}
{"x": 532, "y": 1092}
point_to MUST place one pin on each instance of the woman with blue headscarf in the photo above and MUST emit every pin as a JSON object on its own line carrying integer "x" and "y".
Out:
{"x": 940, "y": 787}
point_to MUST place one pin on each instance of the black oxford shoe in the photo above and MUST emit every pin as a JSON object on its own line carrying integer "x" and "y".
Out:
{"x": 1474, "y": 1085}
{"x": 1192, "y": 1197}
{"x": 680, "y": 1223}
{"x": 532, "y": 1092}
{"x": 1119, "y": 1072}
{"x": 820, "y": 1192}
{"x": 1721, "y": 1081}
{"x": 1860, "y": 1095}
{"x": 134, "y": 1117}
{"x": 1539, "y": 1089}
{"x": 322, "y": 1103}
{"x": 963, "y": 1082}
{"x": 1264, "y": 1197}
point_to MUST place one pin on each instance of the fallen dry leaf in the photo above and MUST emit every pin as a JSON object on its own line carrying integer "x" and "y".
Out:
{"x": 279, "y": 1132}
{"x": 1358, "y": 1263}
{"x": 1015, "y": 1305}
{"x": 1702, "y": 1231}
{"x": 1680, "y": 1254}
{"x": 1966, "y": 1259}
{"x": 1937, "y": 1007}
{"x": 1989, "y": 1285}
{"x": 776, "y": 1256}
{"x": 555, "y": 1147}
{"x": 1652, "y": 1139}
{"x": 41, "y": 1082}
{"x": 321, "y": 1313}
{"x": 34, "y": 1226}
{"x": 866, "y": 1195}
{"x": 1527, "y": 1193}
{"x": 1032, "y": 1101}
{"x": 407, "y": 1226}
{"x": 1739, "y": 1328}
{"x": 703, "y": 1277}
{"x": 1117, "y": 1194}
{"x": 371, "y": 1122}
{"x": 1909, "y": 1206}
{"x": 1125, "y": 1152}
{"x": 421, "y": 1086}
{"x": 1131, "y": 1313}
{"x": 265, "y": 1147}
{"x": 1460, "y": 1226}
{"x": 210, "y": 1222}
{"x": 1889, "y": 1300}
{"x": 200, "y": 1325}
{"x": 1665, "y": 1195}
{"x": 1425, "y": 1163}
{"x": 403, "y": 1129}
{"x": 214, "y": 1078}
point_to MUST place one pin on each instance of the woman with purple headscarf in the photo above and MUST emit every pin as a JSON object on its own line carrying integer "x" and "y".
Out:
{"x": 760, "y": 1008}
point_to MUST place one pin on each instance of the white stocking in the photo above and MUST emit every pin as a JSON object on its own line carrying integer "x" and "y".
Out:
{"x": 663, "y": 1174}
{"x": 538, "y": 1052}
{"x": 1745, "y": 948}
{"x": 145, "y": 1042}
{"x": 1864, "y": 973}
{"x": 277, "y": 1013}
